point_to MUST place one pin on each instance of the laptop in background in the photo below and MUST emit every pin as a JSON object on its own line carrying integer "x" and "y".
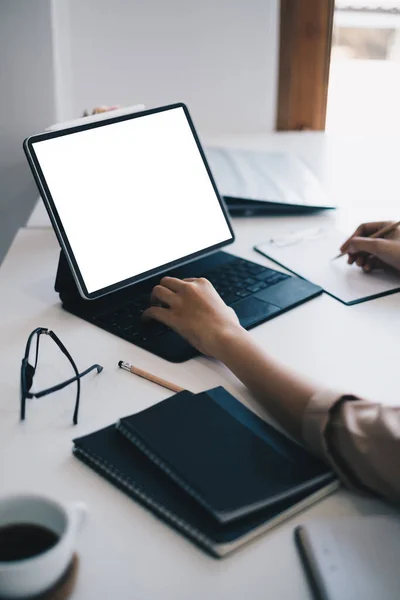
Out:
{"x": 131, "y": 199}
{"x": 255, "y": 182}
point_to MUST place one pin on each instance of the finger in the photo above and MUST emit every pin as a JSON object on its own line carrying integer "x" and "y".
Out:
{"x": 360, "y": 260}
{"x": 372, "y": 263}
{"x": 351, "y": 258}
{"x": 173, "y": 283}
{"x": 363, "y": 230}
{"x": 374, "y": 246}
{"x": 199, "y": 280}
{"x": 163, "y": 315}
{"x": 162, "y": 294}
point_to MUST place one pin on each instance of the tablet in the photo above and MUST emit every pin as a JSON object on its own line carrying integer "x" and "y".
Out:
{"x": 129, "y": 197}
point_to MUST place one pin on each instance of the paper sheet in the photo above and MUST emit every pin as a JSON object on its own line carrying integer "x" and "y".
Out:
{"x": 308, "y": 253}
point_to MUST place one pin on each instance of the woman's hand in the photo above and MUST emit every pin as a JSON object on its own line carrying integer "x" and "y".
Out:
{"x": 375, "y": 253}
{"x": 194, "y": 309}
{"x": 100, "y": 109}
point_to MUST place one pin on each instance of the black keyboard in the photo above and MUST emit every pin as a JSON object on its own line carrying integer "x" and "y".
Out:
{"x": 240, "y": 278}
{"x": 233, "y": 281}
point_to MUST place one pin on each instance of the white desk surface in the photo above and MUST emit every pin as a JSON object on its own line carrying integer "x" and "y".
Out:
{"x": 125, "y": 551}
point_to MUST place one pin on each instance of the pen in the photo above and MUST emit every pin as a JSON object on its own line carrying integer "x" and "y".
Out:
{"x": 380, "y": 233}
{"x": 163, "y": 382}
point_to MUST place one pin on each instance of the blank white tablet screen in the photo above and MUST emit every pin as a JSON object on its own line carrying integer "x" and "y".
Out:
{"x": 132, "y": 196}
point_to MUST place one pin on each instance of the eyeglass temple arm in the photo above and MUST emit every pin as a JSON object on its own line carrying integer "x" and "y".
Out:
{"x": 64, "y": 384}
{"x": 77, "y": 378}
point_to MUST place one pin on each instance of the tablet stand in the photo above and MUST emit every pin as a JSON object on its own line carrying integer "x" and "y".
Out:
{"x": 65, "y": 284}
{"x": 72, "y": 300}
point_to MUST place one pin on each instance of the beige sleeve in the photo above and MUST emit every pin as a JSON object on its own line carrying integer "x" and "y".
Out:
{"x": 360, "y": 439}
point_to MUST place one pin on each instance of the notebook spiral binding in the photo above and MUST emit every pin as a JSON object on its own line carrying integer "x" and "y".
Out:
{"x": 163, "y": 466}
{"x": 127, "y": 485}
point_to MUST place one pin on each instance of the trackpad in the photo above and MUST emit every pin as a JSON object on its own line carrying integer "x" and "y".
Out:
{"x": 251, "y": 310}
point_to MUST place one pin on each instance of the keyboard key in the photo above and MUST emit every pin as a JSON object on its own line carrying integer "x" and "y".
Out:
{"x": 254, "y": 288}
{"x": 242, "y": 293}
{"x": 265, "y": 275}
{"x": 276, "y": 278}
{"x": 270, "y": 277}
{"x": 131, "y": 332}
{"x": 254, "y": 270}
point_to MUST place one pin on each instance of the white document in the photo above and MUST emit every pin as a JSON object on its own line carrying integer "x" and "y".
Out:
{"x": 265, "y": 177}
{"x": 308, "y": 253}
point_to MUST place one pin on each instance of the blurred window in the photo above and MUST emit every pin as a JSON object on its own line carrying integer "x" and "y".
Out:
{"x": 364, "y": 80}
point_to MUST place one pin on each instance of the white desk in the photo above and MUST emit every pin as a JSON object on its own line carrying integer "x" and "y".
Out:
{"x": 125, "y": 551}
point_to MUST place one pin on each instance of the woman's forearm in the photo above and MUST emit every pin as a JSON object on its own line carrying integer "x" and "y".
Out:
{"x": 281, "y": 391}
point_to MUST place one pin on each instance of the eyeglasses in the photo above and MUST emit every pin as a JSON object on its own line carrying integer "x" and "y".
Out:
{"x": 28, "y": 372}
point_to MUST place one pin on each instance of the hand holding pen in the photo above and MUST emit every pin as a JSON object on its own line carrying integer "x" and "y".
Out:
{"x": 374, "y": 246}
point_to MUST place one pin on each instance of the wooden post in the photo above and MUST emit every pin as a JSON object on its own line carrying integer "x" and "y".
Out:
{"x": 304, "y": 60}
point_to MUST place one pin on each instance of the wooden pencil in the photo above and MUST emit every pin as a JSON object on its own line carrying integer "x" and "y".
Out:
{"x": 150, "y": 377}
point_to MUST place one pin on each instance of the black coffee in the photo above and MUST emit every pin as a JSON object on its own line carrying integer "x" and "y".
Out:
{"x": 22, "y": 540}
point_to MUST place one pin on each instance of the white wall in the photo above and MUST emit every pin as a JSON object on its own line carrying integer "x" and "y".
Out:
{"x": 26, "y": 72}
{"x": 26, "y": 102}
{"x": 218, "y": 56}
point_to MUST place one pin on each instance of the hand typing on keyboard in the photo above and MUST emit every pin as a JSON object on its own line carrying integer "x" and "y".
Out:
{"x": 234, "y": 281}
{"x": 194, "y": 309}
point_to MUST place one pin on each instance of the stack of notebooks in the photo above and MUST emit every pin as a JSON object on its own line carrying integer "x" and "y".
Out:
{"x": 209, "y": 467}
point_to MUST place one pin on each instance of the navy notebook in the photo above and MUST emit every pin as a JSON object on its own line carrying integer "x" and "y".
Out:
{"x": 221, "y": 454}
{"x": 115, "y": 458}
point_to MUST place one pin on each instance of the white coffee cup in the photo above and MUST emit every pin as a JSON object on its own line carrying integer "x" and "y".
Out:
{"x": 31, "y": 576}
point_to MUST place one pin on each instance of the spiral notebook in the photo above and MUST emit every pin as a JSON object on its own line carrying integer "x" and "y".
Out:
{"x": 220, "y": 453}
{"x": 116, "y": 459}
